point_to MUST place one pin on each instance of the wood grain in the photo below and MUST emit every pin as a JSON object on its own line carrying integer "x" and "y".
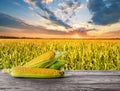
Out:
{"x": 78, "y": 81}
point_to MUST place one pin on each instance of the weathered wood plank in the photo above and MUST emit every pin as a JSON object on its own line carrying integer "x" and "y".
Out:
{"x": 95, "y": 72}
{"x": 79, "y": 81}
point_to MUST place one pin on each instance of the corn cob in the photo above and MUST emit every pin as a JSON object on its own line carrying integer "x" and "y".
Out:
{"x": 41, "y": 61}
{"x": 58, "y": 64}
{"x": 57, "y": 55}
{"x": 34, "y": 72}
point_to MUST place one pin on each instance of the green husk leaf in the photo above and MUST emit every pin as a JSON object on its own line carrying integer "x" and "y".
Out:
{"x": 57, "y": 55}
{"x": 58, "y": 64}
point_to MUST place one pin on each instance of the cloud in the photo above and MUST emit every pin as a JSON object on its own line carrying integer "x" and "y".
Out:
{"x": 81, "y": 31}
{"x": 46, "y": 12}
{"x": 10, "y": 21}
{"x": 114, "y": 32}
{"x": 70, "y": 6}
{"x": 104, "y": 11}
{"x": 31, "y": 8}
{"x": 105, "y": 32}
{"x": 110, "y": 34}
{"x": 74, "y": 4}
{"x": 30, "y": 1}
{"x": 69, "y": 9}
{"x": 87, "y": 1}
{"x": 46, "y": 1}
{"x": 63, "y": 4}
{"x": 12, "y": 24}
{"x": 41, "y": 1}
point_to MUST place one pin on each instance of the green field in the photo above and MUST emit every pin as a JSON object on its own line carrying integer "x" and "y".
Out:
{"x": 82, "y": 54}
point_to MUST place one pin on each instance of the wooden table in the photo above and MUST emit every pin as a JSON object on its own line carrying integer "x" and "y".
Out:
{"x": 79, "y": 81}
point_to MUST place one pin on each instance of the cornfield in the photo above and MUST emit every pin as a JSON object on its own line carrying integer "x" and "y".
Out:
{"x": 81, "y": 54}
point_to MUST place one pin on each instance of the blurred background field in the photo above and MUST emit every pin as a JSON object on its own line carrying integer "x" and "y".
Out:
{"x": 81, "y": 54}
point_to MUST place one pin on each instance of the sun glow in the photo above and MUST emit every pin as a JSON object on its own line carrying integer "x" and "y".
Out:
{"x": 76, "y": 36}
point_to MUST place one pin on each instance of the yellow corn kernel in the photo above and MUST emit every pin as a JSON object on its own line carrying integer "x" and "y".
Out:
{"x": 41, "y": 61}
{"x": 36, "y": 72}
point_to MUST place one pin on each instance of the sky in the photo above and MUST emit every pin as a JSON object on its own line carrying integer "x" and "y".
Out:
{"x": 60, "y": 18}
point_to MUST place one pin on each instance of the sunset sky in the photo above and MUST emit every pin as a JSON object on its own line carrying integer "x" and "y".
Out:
{"x": 60, "y": 18}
